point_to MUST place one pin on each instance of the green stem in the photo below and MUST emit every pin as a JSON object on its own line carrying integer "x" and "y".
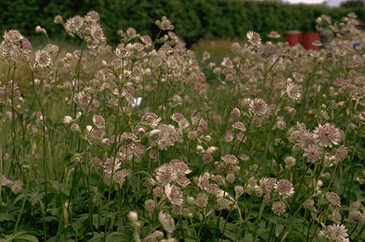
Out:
{"x": 21, "y": 209}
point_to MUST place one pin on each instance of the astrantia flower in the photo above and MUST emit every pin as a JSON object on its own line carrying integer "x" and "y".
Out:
{"x": 309, "y": 204}
{"x": 267, "y": 184}
{"x": 51, "y": 48}
{"x": 335, "y": 216}
{"x": 294, "y": 91}
{"x": 181, "y": 120}
{"x": 164, "y": 24}
{"x": 165, "y": 174}
{"x": 333, "y": 199}
{"x": 111, "y": 165}
{"x": 284, "y": 188}
{"x": 306, "y": 138}
{"x": 289, "y": 161}
{"x": 150, "y": 205}
{"x": 92, "y": 15}
{"x": 75, "y": 127}
{"x": 352, "y": 15}
{"x": 74, "y": 24}
{"x": 154, "y": 237}
{"x": 273, "y": 35}
{"x": 14, "y": 46}
{"x": 228, "y": 161}
{"x": 201, "y": 200}
{"x": 97, "y": 134}
{"x": 43, "y": 58}
{"x": 99, "y": 121}
{"x": 97, "y": 33}
{"x": 120, "y": 176}
{"x": 239, "y": 125}
{"x": 298, "y": 76}
{"x": 278, "y": 208}
{"x": 357, "y": 217}
{"x": 227, "y": 63}
{"x": 174, "y": 194}
{"x": 340, "y": 153}
{"x": 355, "y": 205}
{"x": 174, "y": 171}
{"x": 180, "y": 167}
{"x": 258, "y": 106}
{"x": 235, "y": 114}
{"x": 280, "y": 123}
{"x": 224, "y": 203}
{"x": 236, "y": 48}
{"x": 5, "y": 181}
{"x": 58, "y": 19}
{"x": 313, "y": 153}
{"x": 229, "y": 136}
{"x": 17, "y": 186}
{"x": 203, "y": 180}
{"x": 166, "y": 221}
{"x": 334, "y": 233}
{"x": 361, "y": 117}
{"x": 328, "y": 135}
{"x": 254, "y": 38}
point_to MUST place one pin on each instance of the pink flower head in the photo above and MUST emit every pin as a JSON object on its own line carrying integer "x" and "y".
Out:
{"x": 174, "y": 194}
{"x": 328, "y": 135}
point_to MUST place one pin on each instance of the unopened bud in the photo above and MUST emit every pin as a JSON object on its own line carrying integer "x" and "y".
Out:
{"x": 133, "y": 216}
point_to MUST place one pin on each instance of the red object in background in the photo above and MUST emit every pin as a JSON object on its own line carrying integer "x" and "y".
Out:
{"x": 308, "y": 39}
{"x": 294, "y": 37}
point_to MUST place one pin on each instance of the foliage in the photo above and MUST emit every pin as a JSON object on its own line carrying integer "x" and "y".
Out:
{"x": 194, "y": 20}
{"x": 353, "y": 4}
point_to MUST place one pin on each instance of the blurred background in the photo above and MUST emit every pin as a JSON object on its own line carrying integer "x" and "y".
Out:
{"x": 197, "y": 22}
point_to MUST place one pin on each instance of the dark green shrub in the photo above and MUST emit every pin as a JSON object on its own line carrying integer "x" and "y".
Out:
{"x": 193, "y": 20}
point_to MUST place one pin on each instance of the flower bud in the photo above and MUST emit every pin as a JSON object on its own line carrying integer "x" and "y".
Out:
{"x": 133, "y": 216}
{"x": 150, "y": 205}
{"x": 230, "y": 177}
{"x": 158, "y": 191}
{"x": 67, "y": 119}
{"x": 238, "y": 191}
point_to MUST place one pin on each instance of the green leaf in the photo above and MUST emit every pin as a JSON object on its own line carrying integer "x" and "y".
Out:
{"x": 248, "y": 237}
{"x": 6, "y": 217}
{"x": 27, "y": 237}
{"x": 278, "y": 229}
{"x": 22, "y": 235}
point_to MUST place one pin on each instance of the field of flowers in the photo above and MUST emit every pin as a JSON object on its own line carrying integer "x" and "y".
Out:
{"x": 144, "y": 142}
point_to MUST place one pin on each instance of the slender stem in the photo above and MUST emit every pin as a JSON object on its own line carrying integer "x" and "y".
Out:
{"x": 21, "y": 208}
{"x": 353, "y": 230}
{"x": 244, "y": 136}
{"x": 20, "y": 215}
{"x": 300, "y": 184}
{"x": 360, "y": 232}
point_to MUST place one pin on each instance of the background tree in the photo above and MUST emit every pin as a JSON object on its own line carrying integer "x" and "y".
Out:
{"x": 353, "y": 4}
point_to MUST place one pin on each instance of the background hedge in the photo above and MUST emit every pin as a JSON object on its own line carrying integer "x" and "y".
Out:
{"x": 193, "y": 19}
